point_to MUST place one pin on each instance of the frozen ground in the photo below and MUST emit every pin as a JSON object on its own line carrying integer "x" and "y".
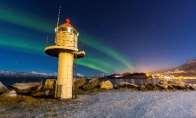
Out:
{"x": 112, "y": 104}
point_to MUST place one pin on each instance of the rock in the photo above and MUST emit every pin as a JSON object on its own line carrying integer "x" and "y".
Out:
{"x": 127, "y": 85}
{"x": 26, "y": 88}
{"x": 173, "y": 84}
{"x": 11, "y": 93}
{"x": 47, "y": 90}
{"x": 106, "y": 85}
{"x": 163, "y": 84}
{"x": 49, "y": 84}
{"x": 92, "y": 84}
{"x": 142, "y": 87}
{"x": 78, "y": 86}
{"x": 152, "y": 86}
{"x": 176, "y": 84}
{"x": 43, "y": 94}
{"x": 3, "y": 88}
{"x": 78, "y": 83}
{"x": 193, "y": 86}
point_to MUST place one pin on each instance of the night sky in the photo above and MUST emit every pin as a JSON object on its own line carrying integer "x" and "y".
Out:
{"x": 117, "y": 35}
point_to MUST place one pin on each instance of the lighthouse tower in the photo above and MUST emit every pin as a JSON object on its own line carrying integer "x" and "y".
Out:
{"x": 66, "y": 50}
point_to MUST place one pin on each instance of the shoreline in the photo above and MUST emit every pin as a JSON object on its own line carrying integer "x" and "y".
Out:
{"x": 98, "y": 104}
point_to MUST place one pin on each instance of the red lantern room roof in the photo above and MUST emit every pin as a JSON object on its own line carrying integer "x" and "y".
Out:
{"x": 68, "y": 22}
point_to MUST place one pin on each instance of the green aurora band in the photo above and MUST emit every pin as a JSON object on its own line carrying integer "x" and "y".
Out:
{"x": 92, "y": 42}
{"x": 25, "y": 20}
{"x": 36, "y": 48}
{"x": 32, "y": 22}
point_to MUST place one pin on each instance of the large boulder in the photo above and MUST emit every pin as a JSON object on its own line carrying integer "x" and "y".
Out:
{"x": 47, "y": 89}
{"x": 92, "y": 84}
{"x": 3, "y": 88}
{"x": 163, "y": 84}
{"x": 49, "y": 84}
{"x": 152, "y": 86}
{"x": 176, "y": 84}
{"x": 179, "y": 86}
{"x": 106, "y": 85}
{"x": 11, "y": 93}
{"x": 172, "y": 84}
{"x": 26, "y": 88}
{"x": 43, "y": 94}
{"x": 78, "y": 83}
{"x": 193, "y": 86}
{"x": 126, "y": 85}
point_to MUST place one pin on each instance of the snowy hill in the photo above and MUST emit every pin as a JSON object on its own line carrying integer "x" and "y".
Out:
{"x": 9, "y": 77}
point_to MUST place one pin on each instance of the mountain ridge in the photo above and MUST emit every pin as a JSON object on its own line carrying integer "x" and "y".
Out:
{"x": 10, "y": 77}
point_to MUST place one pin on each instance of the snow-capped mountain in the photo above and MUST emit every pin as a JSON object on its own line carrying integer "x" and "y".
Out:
{"x": 9, "y": 77}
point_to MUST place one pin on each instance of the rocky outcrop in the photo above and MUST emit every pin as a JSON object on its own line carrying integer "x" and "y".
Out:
{"x": 125, "y": 84}
{"x": 47, "y": 89}
{"x": 49, "y": 84}
{"x": 192, "y": 86}
{"x": 3, "y": 88}
{"x": 106, "y": 85}
{"x": 82, "y": 86}
{"x": 177, "y": 85}
{"x": 79, "y": 83}
{"x": 92, "y": 84}
{"x": 26, "y": 88}
{"x": 173, "y": 85}
{"x": 43, "y": 94}
{"x": 11, "y": 93}
{"x": 163, "y": 84}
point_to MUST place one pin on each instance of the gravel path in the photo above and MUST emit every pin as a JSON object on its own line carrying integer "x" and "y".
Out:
{"x": 113, "y": 104}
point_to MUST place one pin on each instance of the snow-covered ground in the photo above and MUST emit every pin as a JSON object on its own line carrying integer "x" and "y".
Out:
{"x": 116, "y": 104}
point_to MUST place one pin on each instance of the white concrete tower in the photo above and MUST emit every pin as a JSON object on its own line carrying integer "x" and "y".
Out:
{"x": 66, "y": 49}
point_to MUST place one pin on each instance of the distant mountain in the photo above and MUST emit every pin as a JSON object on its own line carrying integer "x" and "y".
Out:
{"x": 126, "y": 76}
{"x": 186, "y": 69}
{"x": 189, "y": 66}
{"x": 8, "y": 77}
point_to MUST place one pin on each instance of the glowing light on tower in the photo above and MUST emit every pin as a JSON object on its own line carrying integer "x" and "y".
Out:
{"x": 66, "y": 49}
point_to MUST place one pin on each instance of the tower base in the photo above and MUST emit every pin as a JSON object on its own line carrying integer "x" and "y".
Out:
{"x": 65, "y": 76}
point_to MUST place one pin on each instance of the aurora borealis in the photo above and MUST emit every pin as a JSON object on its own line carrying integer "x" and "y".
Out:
{"x": 34, "y": 46}
{"x": 117, "y": 36}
